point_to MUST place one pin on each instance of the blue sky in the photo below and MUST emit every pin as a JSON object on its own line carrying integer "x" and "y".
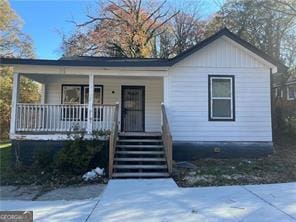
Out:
{"x": 44, "y": 19}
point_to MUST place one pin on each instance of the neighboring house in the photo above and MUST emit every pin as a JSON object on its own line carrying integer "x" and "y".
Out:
{"x": 216, "y": 100}
{"x": 286, "y": 90}
{"x": 284, "y": 100}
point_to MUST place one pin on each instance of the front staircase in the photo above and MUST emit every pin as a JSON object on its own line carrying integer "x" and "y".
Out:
{"x": 139, "y": 155}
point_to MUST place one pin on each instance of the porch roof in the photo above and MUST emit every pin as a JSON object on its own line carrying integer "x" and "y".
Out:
{"x": 90, "y": 61}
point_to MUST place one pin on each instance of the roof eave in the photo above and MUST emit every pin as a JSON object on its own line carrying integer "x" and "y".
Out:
{"x": 71, "y": 63}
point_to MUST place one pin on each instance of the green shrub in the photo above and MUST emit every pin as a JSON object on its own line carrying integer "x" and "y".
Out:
{"x": 44, "y": 159}
{"x": 80, "y": 155}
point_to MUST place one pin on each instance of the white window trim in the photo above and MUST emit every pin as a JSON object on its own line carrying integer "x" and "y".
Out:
{"x": 282, "y": 93}
{"x": 217, "y": 98}
{"x": 288, "y": 93}
{"x": 95, "y": 87}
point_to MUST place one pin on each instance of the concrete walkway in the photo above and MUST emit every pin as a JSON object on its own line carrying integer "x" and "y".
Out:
{"x": 161, "y": 200}
{"x": 37, "y": 193}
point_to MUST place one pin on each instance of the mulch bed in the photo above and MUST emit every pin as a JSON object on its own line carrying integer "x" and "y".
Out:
{"x": 278, "y": 167}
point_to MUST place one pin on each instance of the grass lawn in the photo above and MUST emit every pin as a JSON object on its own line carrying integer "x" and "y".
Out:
{"x": 277, "y": 167}
{"x": 5, "y": 157}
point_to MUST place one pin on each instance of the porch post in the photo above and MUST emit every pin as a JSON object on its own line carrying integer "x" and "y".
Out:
{"x": 165, "y": 90}
{"x": 90, "y": 104}
{"x": 14, "y": 101}
{"x": 43, "y": 93}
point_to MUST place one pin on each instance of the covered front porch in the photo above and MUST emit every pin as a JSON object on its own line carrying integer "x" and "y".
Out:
{"x": 88, "y": 103}
{"x": 125, "y": 105}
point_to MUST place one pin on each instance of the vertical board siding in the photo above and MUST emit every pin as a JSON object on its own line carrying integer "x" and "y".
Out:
{"x": 223, "y": 52}
{"x": 153, "y": 93}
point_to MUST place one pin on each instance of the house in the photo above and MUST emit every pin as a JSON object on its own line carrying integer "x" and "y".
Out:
{"x": 284, "y": 101}
{"x": 213, "y": 100}
{"x": 285, "y": 90}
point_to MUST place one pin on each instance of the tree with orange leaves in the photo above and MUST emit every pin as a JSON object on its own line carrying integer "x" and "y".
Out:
{"x": 126, "y": 28}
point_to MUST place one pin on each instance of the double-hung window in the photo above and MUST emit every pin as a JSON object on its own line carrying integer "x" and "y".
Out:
{"x": 221, "y": 98}
{"x": 98, "y": 98}
{"x": 71, "y": 95}
{"x": 278, "y": 92}
{"x": 78, "y": 94}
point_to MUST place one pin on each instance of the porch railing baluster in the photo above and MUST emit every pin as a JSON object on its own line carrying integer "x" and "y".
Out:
{"x": 61, "y": 118}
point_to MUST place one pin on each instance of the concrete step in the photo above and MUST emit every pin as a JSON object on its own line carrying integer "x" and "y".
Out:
{"x": 139, "y": 141}
{"x": 140, "y": 159}
{"x": 141, "y": 152}
{"x": 140, "y": 146}
{"x": 140, "y": 167}
{"x": 140, "y": 134}
{"x": 140, "y": 174}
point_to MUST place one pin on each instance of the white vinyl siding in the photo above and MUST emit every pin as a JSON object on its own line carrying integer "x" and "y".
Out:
{"x": 187, "y": 90}
{"x": 112, "y": 93}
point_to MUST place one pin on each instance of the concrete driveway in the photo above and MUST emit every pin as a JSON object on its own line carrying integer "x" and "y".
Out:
{"x": 161, "y": 200}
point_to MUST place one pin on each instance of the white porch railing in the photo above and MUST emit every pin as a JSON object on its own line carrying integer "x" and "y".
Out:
{"x": 62, "y": 118}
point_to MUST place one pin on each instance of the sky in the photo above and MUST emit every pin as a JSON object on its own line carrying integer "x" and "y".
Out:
{"x": 45, "y": 20}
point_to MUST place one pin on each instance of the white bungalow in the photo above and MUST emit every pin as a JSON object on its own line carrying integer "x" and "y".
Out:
{"x": 216, "y": 101}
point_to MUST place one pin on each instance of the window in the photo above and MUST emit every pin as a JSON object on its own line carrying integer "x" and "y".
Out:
{"x": 291, "y": 92}
{"x": 98, "y": 98}
{"x": 78, "y": 94}
{"x": 97, "y": 95}
{"x": 278, "y": 92}
{"x": 71, "y": 94}
{"x": 221, "y": 98}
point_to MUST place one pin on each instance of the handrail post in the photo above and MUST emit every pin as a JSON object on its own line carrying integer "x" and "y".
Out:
{"x": 167, "y": 138}
{"x": 14, "y": 101}
{"x": 112, "y": 139}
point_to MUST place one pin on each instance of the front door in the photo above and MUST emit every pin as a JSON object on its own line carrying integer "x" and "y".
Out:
{"x": 133, "y": 109}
